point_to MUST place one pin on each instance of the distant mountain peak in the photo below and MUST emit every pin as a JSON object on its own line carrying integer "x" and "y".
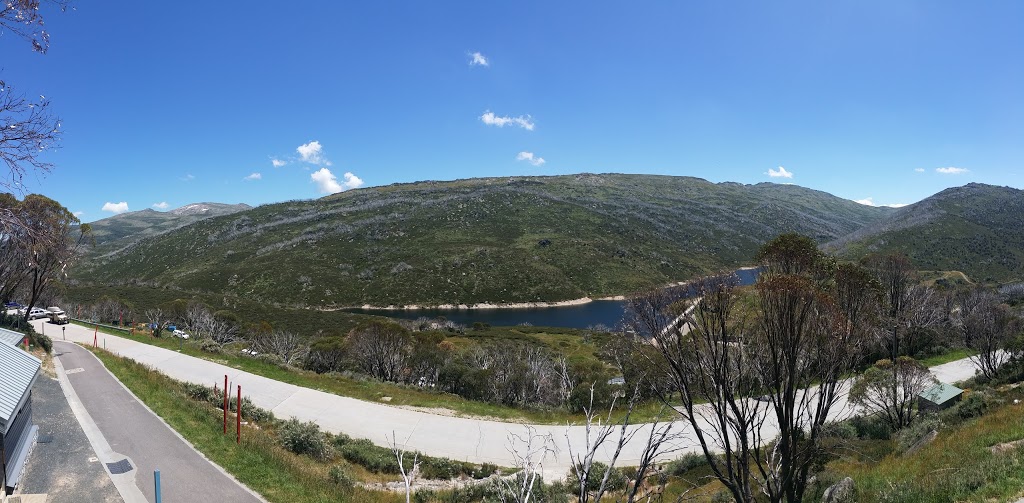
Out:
{"x": 203, "y": 208}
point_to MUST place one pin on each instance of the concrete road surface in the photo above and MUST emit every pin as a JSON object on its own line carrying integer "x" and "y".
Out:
{"x": 136, "y": 435}
{"x": 458, "y": 438}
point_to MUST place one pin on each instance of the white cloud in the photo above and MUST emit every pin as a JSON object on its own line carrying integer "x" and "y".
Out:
{"x": 523, "y": 121}
{"x": 529, "y": 157}
{"x": 115, "y": 208}
{"x": 78, "y": 213}
{"x": 780, "y": 173}
{"x": 254, "y": 176}
{"x": 952, "y": 171}
{"x": 352, "y": 181}
{"x": 478, "y": 59}
{"x": 919, "y": 170}
{"x": 161, "y": 206}
{"x": 277, "y": 162}
{"x": 327, "y": 183}
{"x": 867, "y": 201}
{"x": 188, "y": 177}
{"x": 312, "y": 153}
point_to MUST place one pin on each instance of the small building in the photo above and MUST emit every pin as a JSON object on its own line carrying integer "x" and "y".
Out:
{"x": 939, "y": 397}
{"x": 10, "y": 337}
{"x": 18, "y": 373}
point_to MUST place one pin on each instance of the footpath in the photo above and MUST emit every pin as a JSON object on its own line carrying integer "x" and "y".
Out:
{"x": 472, "y": 440}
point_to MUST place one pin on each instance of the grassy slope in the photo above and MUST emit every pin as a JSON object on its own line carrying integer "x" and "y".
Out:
{"x": 976, "y": 229}
{"x": 478, "y": 240}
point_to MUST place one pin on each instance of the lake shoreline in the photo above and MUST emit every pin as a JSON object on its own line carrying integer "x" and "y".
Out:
{"x": 488, "y": 306}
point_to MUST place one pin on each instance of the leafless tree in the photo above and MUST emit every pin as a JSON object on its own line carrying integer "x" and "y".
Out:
{"x": 408, "y": 475}
{"x": 380, "y": 349}
{"x": 24, "y": 19}
{"x": 987, "y": 326}
{"x": 287, "y": 346}
{"x": 206, "y": 325}
{"x": 156, "y": 319}
{"x": 709, "y": 368}
{"x": 529, "y": 451}
{"x": 906, "y": 305}
{"x": 890, "y": 389}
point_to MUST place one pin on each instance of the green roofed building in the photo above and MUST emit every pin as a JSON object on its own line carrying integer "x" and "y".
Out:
{"x": 938, "y": 397}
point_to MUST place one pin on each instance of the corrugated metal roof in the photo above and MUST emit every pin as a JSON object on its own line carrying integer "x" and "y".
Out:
{"x": 941, "y": 393}
{"x": 18, "y": 371}
{"x": 10, "y": 337}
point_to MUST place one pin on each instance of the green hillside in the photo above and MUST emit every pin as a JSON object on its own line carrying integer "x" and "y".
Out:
{"x": 500, "y": 240}
{"x": 118, "y": 231}
{"x": 977, "y": 229}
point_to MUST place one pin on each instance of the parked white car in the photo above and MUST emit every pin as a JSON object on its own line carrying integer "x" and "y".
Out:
{"x": 38, "y": 312}
{"x": 181, "y": 333}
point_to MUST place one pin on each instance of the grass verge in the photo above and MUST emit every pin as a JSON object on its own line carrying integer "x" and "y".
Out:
{"x": 259, "y": 461}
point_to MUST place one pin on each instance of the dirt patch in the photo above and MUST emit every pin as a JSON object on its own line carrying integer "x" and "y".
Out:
{"x": 1006, "y": 447}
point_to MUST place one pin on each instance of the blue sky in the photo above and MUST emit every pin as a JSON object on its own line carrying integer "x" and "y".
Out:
{"x": 179, "y": 103}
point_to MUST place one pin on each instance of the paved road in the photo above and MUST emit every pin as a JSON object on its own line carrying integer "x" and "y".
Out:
{"x": 63, "y": 464}
{"x": 457, "y": 438}
{"x": 133, "y": 432}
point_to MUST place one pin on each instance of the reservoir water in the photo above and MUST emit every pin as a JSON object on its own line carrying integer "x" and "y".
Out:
{"x": 603, "y": 312}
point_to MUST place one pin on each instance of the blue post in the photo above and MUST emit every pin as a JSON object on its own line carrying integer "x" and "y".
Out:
{"x": 156, "y": 481}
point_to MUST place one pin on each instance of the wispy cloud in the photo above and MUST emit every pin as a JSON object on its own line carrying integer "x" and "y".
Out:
{"x": 327, "y": 183}
{"x": 919, "y": 170}
{"x": 529, "y": 157}
{"x": 867, "y": 201}
{"x": 952, "y": 171}
{"x": 277, "y": 162}
{"x": 78, "y": 213}
{"x": 115, "y": 208}
{"x": 523, "y": 121}
{"x": 312, "y": 153}
{"x": 254, "y": 176}
{"x": 188, "y": 177}
{"x": 161, "y": 206}
{"x": 779, "y": 173}
{"x": 477, "y": 59}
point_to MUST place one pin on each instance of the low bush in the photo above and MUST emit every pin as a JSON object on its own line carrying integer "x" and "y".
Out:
{"x": 679, "y": 466}
{"x": 376, "y": 459}
{"x": 304, "y": 438}
{"x": 616, "y": 479}
{"x": 339, "y": 475}
{"x": 907, "y": 437}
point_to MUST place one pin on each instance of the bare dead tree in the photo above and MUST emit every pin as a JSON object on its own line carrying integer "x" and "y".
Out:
{"x": 987, "y": 326}
{"x": 27, "y": 128}
{"x": 709, "y": 367}
{"x": 528, "y": 451}
{"x": 889, "y": 389}
{"x": 381, "y": 349}
{"x": 408, "y": 476}
{"x": 897, "y": 276}
{"x": 24, "y": 19}
{"x": 287, "y": 346}
{"x": 661, "y": 440}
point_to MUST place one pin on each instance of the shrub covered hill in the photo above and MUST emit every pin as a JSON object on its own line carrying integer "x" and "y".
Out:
{"x": 977, "y": 229}
{"x": 112, "y": 234}
{"x": 499, "y": 240}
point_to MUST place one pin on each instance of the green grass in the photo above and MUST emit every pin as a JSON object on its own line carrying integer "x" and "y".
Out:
{"x": 950, "y": 356}
{"x": 957, "y": 466}
{"x": 259, "y": 461}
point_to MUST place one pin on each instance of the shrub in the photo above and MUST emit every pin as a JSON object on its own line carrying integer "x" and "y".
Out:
{"x": 339, "y": 475}
{"x": 685, "y": 463}
{"x": 917, "y": 430}
{"x": 440, "y": 468}
{"x": 974, "y": 405}
{"x": 200, "y": 393}
{"x": 304, "y": 438}
{"x": 42, "y": 341}
{"x": 616, "y": 480}
{"x": 483, "y": 471}
{"x": 376, "y": 459}
{"x": 842, "y": 430}
{"x": 871, "y": 427}
{"x": 210, "y": 346}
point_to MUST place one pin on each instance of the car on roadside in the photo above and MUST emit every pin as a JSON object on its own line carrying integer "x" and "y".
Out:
{"x": 38, "y": 312}
{"x": 181, "y": 333}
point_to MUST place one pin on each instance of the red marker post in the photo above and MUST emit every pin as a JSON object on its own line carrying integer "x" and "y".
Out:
{"x": 95, "y": 333}
{"x": 238, "y": 417}
{"x": 225, "y": 404}
{"x": 26, "y": 344}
